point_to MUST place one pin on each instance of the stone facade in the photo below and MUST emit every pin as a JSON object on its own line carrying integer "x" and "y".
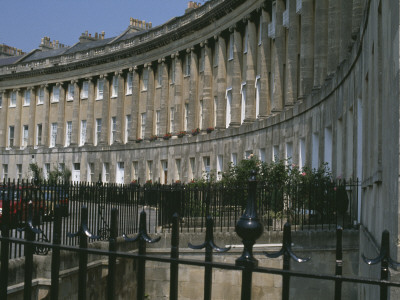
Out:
{"x": 313, "y": 80}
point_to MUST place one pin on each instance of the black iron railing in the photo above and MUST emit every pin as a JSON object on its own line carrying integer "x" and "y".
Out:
{"x": 248, "y": 227}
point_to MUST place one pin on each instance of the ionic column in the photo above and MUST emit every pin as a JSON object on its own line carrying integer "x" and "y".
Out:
{"x": 18, "y": 110}
{"x": 105, "y": 122}
{"x": 251, "y": 61}
{"x": 292, "y": 55}
{"x": 164, "y": 95}
{"x": 236, "y": 78}
{"x": 221, "y": 81}
{"x": 193, "y": 84}
{"x": 321, "y": 42}
{"x": 46, "y": 114}
{"x": 333, "y": 35}
{"x": 3, "y": 119}
{"x": 149, "y": 101}
{"x": 120, "y": 107}
{"x": 177, "y": 101}
{"x": 61, "y": 116}
{"x": 207, "y": 87}
{"x": 75, "y": 115}
{"x": 90, "y": 113}
{"x": 32, "y": 112}
{"x": 133, "y": 133}
{"x": 306, "y": 48}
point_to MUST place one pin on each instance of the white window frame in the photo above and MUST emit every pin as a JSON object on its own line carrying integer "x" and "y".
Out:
{"x": 178, "y": 166}
{"x": 275, "y": 153}
{"x": 39, "y": 133}
{"x": 71, "y": 91}
{"x": 68, "y": 133}
{"x": 186, "y": 117}
{"x": 85, "y": 90}
{"x": 243, "y": 92}
{"x": 129, "y": 83}
{"x": 142, "y": 125}
{"x": 220, "y": 166}
{"x": 192, "y": 166}
{"x": 97, "y": 135}
{"x": 289, "y": 153}
{"x": 13, "y": 99}
{"x": 171, "y": 119}
{"x": 105, "y": 174}
{"x": 149, "y": 170}
{"x": 114, "y": 88}
{"x": 11, "y": 136}
{"x": 261, "y": 155}
{"x": 302, "y": 152}
{"x": 228, "y": 96}
{"x": 135, "y": 166}
{"x": 128, "y": 124}
{"x": 145, "y": 80}
{"x": 19, "y": 171}
{"x": 158, "y": 118}
{"x": 315, "y": 151}
{"x": 257, "y": 85}
{"x": 113, "y": 131}
{"x": 234, "y": 159}
{"x": 188, "y": 59}
{"x": 201, "y": 110}
{"x": 215, "y": 110}
{"x": 27, "y": 98}
{"x": 100, "y": 89}
{"x": 40, "y": 99}
{"x": 90, "y": 172}
{"x": 25, "y": 135}
{"x": 206, "y": 167}
{"x": 46, "y": 170}
{"x": 5, "y": 172}
{"x": 328, "y": 149}
{"x": 83, "y": 132}
{"x": 53, "y": 134}
{"x": 55, "y": 95}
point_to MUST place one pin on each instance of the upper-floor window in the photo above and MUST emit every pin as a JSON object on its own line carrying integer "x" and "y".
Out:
{"x": 27, "y": 98}
{"x": 246, "y": 39}
{"x": 186, "y": 118}
{"x": 19, "y": 171}
{"x": 143, "y": 125}
{"x": 201, "y": 114}
{"x": 145, "y": 80}
{"x": 100, "y": 89}
{"x": 13, "y": 99}
{"x": 83, "y": 132}
{"x": 158, "y": 127}
{"x": 53, "y": 134}
{"x": 5, "y": 172}
{"x": 71, "y": 91}
{"x": 85, "y": 90}
{"x": 173, "y": 66}
{"x": 159, "y": 77}
{"x": 98, "y": 131}
{"x": 55, "y": 95}
{"x": 114, "y": 90}
{"x": 38, "y": 134}
{"x": 187, "y": 64}
{"x": 202, "y": 59}
{"x": 40, "y": 98}
{"x": 68, "y": 133}
{"x": 129, "y": 79}
{"x": 231, "y": 42}
{"x": 127, "y": 127}
{"x": 11, "y": 136}
{"x": 113, "y": 129}
{"x": 24, "y": 141}
{"x": 171, "y": 119}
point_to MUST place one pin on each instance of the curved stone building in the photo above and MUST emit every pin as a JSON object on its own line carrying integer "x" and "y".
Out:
{"x": 315, "y": 80}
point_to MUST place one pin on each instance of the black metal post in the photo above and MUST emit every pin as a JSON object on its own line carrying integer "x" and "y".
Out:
{"x": 142, "y": 238}
{"x": 112, "y": 258}
{"x": 83, "y": 234}
{"x": 55, "y": 256}
{"x": 4, "y": 246}
{"x": 173, "y": 287}
{"x": 30, "y": 232}
{"x": 339, "y": 263}
{"x": 249, "y": 229}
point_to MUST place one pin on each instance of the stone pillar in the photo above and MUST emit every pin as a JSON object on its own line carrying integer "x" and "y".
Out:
{"x": 208, "y": 115}
{"x": 265, "y": 66}
{"x": 18, "y": 127}
{"x": 90, "y": 113}
{"x": 321, "y": 42}
{"x": 221, "y": 81}
{"x": 75, "y": 115}
{"x": 105, "y": 115}
{"x": 133, "y": 133}
{"x": 306, "y": 48}
{"x": 193, "y": 89}
{"x": 32, "y": 112}
{"x": 333, "y": 35}
{"x": 149, "y": 101}
{"x": 3, "y": 119}
{"x": 120, "y": 107}
{"x": 236, "y": 77}
{"x": 292, "y": 62}
{"x": 61, "y": 116}
{"x": 177, "y": 102}
{"x": 164, "y": 96}
{"x": 46, "y": 114}
{"x": 251, "y": 61}
{"x": 346, "y": 13}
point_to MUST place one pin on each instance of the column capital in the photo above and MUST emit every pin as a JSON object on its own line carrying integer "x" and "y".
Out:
{"x": 130, "y": 70}
{"x": 58, "y": 84}
{"x": 73, "y": 81}
{"x": 89, "y": 78}
{"x": 118, "y": 73}
{"x": 30, "y": 87}
{"x": 135, "y": 68}
{"x": 161, "y": 60}
{"x": 16, "y": 90}
{"x": 232, "y": 28}
{"x": 46, "y": 85}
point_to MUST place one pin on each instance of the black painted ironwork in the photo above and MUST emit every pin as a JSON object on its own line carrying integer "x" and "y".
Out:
{"x": 55, "y": 256}
{"x": 142, "y": 238}
{"x": 339, "y": 263}
{"x": 83, "y": 233}
{"x": 112, "y": 259}
{"x": 249, "y": 230}
{"x": 287, "y": 253}
{"x": 209, "y": 246}
{"x": 174, "y": 267}
{"x": 386, "y": 262}
{"x": 4, "y": 244}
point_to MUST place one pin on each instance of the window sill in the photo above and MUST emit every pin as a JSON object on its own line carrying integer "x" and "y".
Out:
{"x": 99, "y": 99}
{"x": 12, "y": 106}
{"x": 113, "y": 97}
{"x": 54, "y": 101}
{"x": 39, "y": 104}
{"x": 69, "y": 100}
{"x": 128, "y": 94}
{"x": 26, "y": 105}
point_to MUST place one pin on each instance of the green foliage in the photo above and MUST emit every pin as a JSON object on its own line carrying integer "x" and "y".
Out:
{"x": 36, "y": 173}
{"x": 57, "y": 175}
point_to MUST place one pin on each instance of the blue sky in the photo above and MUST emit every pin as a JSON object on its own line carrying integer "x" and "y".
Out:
{"x": 24, "y": 22}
